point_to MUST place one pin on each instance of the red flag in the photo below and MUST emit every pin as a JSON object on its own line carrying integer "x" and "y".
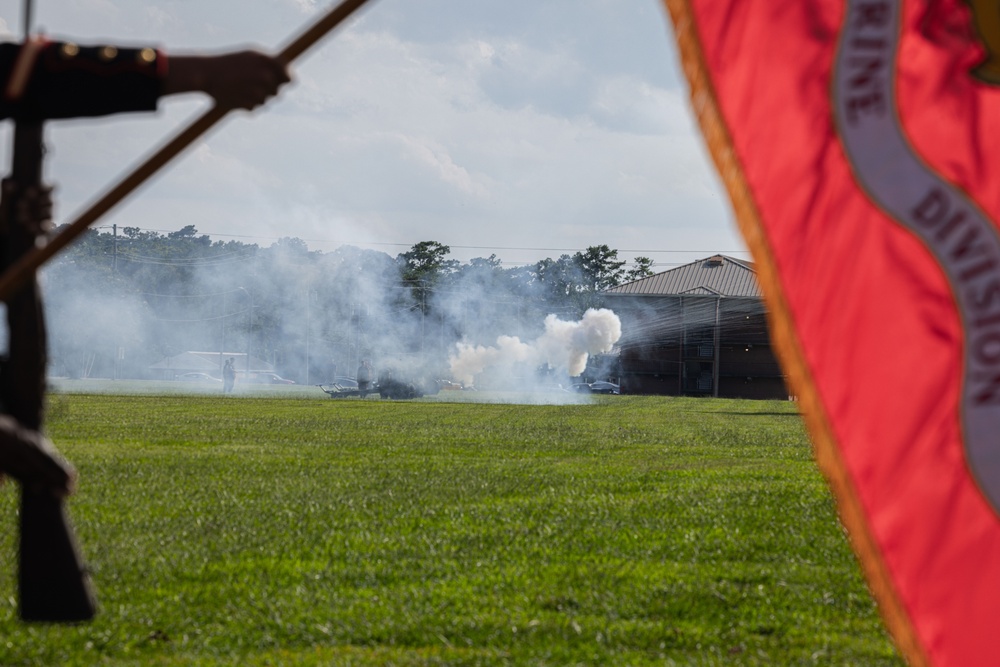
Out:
{"x": 860, "y": 144}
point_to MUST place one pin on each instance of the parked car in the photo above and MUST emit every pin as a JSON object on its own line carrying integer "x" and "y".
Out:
{"x": 602, "y": 387}
{"x": 599, "y": 387}
{"x": 197, "y": 377}
{"x": 266, "y": 378}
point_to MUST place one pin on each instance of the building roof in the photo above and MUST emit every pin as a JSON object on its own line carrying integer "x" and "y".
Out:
{"x": 718, "y": 275}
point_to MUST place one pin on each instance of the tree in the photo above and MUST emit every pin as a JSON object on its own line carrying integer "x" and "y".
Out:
{"x": 574, "y": 282}
{"x": 642, "y": 267}
{"x": 185, "y": 232}
{"x": 556, "y": 279}
{"x": 600, "y": 268}
{"x": 423, "y": 267}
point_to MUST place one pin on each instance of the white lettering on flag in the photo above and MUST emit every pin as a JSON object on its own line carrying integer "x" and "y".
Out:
{"x": 961, "y": 238}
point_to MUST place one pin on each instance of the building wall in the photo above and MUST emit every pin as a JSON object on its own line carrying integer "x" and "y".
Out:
{"x": 697, "y": 346}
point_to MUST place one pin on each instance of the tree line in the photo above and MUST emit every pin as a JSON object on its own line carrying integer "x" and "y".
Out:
{"x": 120, "y": 301}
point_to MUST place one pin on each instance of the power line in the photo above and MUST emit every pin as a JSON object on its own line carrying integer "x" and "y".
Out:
{"x": 454, "y": 247}
{"x": 195, "y": 296}
{"x": 193, "y": 262}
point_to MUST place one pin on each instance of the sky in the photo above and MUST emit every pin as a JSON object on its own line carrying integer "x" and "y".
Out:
{"x": 520, "y": 128}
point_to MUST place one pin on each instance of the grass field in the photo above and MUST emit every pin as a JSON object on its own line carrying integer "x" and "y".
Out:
{"x": 308, "y": 531}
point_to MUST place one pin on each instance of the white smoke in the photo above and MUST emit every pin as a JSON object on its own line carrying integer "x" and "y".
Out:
{"x": 564, "y": 345}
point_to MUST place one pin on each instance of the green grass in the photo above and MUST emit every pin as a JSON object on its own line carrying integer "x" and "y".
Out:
{"x": 290, "y": 531}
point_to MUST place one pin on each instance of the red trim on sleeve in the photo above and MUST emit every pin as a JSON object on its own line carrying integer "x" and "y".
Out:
{"x": 162, "y": 64}
{"x": 21, "y": 72}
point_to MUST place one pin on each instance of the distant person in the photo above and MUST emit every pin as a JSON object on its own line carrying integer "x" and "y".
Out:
{"x": 229, "y": 376}
{"x": 43, "y": 80}
{"x": 364, "y": 378}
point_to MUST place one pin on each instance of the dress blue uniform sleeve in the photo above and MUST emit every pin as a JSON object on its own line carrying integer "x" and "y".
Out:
{"x": 63, "y": 80}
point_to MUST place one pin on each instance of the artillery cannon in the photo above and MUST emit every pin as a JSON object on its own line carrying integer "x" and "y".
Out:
{"x": 345, "y": 387}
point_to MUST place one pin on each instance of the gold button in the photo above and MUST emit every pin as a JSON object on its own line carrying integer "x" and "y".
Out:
{"x": 69, "y": 50}
{"x": 107, "y": 53}
{"x": 147, "y": 56}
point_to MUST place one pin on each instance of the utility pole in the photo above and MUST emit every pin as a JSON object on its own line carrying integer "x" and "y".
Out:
{"x": 308, "y": 329}
{"x": 222, "y": 326}
{"x": 249, "y": 330}
{"x": 119, "y": 350}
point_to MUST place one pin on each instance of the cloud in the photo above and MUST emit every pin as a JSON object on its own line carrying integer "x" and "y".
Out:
{"x": 159, "y": 16}
{"x": 551, "y": 125}
{"x": 305, "y": 6}
{"x": 520, "y": 75}
{"x": 630, "y": 104}
{"x": 436, "y": 157}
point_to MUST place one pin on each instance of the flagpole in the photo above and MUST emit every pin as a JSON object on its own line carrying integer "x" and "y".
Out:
{"x": 29, "y": 263}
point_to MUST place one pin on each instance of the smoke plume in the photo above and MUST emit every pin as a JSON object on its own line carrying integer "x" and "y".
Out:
{"x": 563, "y": 345}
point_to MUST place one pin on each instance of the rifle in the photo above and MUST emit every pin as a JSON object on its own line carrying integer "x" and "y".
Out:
{"x": 53, "y": 583}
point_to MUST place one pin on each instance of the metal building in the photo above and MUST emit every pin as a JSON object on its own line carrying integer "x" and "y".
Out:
{"x": 697, "y": 330}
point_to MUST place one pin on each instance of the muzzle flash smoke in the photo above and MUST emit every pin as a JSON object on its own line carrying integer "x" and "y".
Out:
{"x": 564, "y": 345}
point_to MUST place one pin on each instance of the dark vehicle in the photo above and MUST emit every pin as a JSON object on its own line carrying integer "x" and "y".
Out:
{"x": 392, "y": 384}
{"x": 389, "y": 387}
{"x": 197, "y": 377}
{"x": 599, "y": 387}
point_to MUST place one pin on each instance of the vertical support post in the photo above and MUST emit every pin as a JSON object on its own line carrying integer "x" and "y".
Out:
{"x": 681, "y": 369}
{"x": 717, "y": 339}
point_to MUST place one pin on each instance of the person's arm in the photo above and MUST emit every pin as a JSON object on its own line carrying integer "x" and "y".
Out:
{"x": 238, "y": 80}
{"x": 50, "y": 80}
{"x": 44, "y": 80}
